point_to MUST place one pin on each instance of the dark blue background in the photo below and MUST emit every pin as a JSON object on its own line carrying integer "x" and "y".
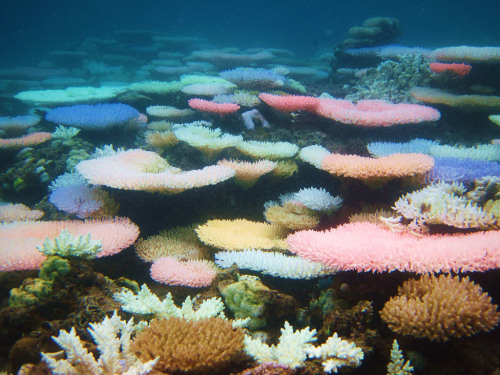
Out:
{"x": 29, "y": 29}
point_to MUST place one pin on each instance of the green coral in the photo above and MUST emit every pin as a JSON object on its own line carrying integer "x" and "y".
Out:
{"x": 68, "y": 246}
{"x": 246, "y": 298}
{"x": 392, "y": 80}
{"x": 30, "y": 292}
{"x": 54, "y": 268}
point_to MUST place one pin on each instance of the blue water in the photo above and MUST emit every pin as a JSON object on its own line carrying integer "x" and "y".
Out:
{"x": 29, "y": 28}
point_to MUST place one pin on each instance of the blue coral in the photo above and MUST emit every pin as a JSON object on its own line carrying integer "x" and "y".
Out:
{"x": 93, "y": 117}
{"x": 462, "y": 169}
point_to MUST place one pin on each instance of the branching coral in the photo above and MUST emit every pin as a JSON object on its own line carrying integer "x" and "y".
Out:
{"x": 440, "y": 308}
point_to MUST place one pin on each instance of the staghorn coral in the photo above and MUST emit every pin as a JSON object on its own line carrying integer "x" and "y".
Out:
{"x": 206, "y": 346}
{"x": 443, "y": 203}
{"x": 398, "y": 365}
{"x": 178, "y": 242}
{"x": 440, "y": 308}
{"x": 241, "y": 234}
{"x": 113, "y": 339}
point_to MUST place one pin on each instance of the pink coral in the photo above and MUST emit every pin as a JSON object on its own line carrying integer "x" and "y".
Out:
{"x": 146, "y": 170}
{"x": 290, "y": 103}
{"x": 193, "y": 273}
{"x": 375, "y": 113}
{"x": 18, "y": 212}
{"x": 458, "y": 69}
{"x": 367, "y": 247}
{"x": 18, "y": 248}
{"x": 212, "y": 107}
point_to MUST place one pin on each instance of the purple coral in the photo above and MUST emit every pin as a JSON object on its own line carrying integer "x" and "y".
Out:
{"x": 250, "y": 116}
{"x": 81, "y": 200}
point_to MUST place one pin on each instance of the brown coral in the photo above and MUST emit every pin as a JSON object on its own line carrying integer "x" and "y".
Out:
{"x": 178, "y": 242}
{"x": 292, "y": 216}
{"x": 205, "y": 346}
{"x": 440, "y": 308}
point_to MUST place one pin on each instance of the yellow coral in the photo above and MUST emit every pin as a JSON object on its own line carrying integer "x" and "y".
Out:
{"x": 161, "y": 140}
{"x": 241, "y": 234}
{"x": 285, "y": 169}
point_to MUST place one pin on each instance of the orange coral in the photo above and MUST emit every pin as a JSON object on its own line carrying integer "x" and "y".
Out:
{"x": 440, "y": 308}
{"x": 377, "y": 169}
{"x": 25, "y": 140}
{"x": 206, "y": 346}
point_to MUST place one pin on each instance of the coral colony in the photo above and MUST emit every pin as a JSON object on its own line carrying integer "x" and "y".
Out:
{"x": 270, "y": 215}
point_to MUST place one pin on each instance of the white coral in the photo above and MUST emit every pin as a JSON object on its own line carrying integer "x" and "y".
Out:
{"x": 272, "y": 263}
{"x": 317, "y": 199}
{"x": 112, "y": 337}
{"x": 294, "y": 348}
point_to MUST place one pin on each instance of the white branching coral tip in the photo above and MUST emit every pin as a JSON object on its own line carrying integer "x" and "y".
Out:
{"x": 112, "y": 337}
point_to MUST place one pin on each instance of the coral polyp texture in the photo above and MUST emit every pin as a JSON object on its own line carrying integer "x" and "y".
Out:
{"x": 241, "y": 234}
{"x": 440, "y": 308}
{"x": 193, "y": 273}
{"x": 205, "y": 346}
{"x": 375, "y": 113}
{"x": 368, "y": 247}
{"x": 93, "y": 117}
{"x": 18, "y": 248}
{"x": 147, "y": 171}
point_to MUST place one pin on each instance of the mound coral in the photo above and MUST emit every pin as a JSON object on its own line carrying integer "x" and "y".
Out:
{"x": 193, "y": 347}
{"x": 147, "y": 171}
{"x": 368, "y": 247}
{"x": 440, "y": 308}
{"x": 18, "y": 248}
{"x": 241, "y": 234}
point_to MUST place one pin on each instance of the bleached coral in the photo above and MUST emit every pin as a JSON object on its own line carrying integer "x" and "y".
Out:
{"x": 204, "y": 138}
{"x": 113, "y": 338}
{"x": 147, "y": 303}
{"x": 67, "y": 245}
{"x": 398, "y": 366}
{"x": 443, "y": 203}
{"x": 272, "y": 263}
{"x": 294, "y": 348}
{"x": 67, "y": 179}
{"x": 268, "y": 150}
{"x": 313, "y": 155}
{"x": 289, "y": 351}
{"x": 315, "y": 199}
{"x": 336, "y": 353}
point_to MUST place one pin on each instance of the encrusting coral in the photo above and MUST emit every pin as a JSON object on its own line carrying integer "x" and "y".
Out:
{"x": 206, "y": 346}
{"x": 440, "y": 308}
